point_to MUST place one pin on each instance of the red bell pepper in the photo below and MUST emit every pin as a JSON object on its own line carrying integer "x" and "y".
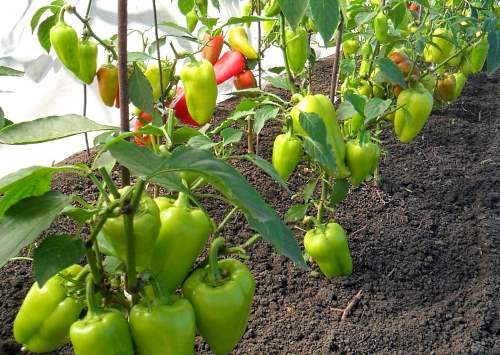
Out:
{"x": 211, "y": 51}
{"x": 230, "y": 64}
{"x": 245, "y": 80}
{"x": 139, "y": 122}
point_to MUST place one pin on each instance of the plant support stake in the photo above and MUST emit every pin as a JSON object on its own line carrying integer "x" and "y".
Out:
{"x": 123, "y": 78}
{"x": 336, "y": 61}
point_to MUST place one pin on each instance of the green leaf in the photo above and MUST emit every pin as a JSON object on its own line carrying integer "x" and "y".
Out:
{"x": 201, "y": 142}
{"x": 226, "y": 179}
{"x": 54, "y": 254}
{"x": 357, "y": 101}
{"x": 375, "y": 107}
{"x": 44, "y": 32}
{"x": 280, "y": 82}
{"x": 345, "y": 111}
{"x": 140, "y": 91}
{"x": 6, "y": 71}
{"x": 183, "y": 134}
{"x": 315, "y": 143}
{"x": 137, "y": 57}
{"x": 244, "y": 20}
{"x": 326, "y": 16}
{"x": 268, "y": 169}
{"x": 296, "y": 213}
{"x": 185, "y": 6}
{"x": 104, "y": 160}
{"x": 36, "y": 17}
{"x": 397, "y": 14}
{"x": 309, "y": 189}
{"x": 24, "y": 222}
{"x": 339, "y": 191}
{"x": 231, "y": 135}
{"x": 494, "y": 52}
{"x": 390, "y": 72}
{"x": 293, "y": 10}
{"x": 28, "y": 182}
{"x": 4, "y": 122}
{"x": 364, "y": 17}
{"x": 81, "y": 215}
{"x": 49, "y": 128}
{"x": 262, "y": 115}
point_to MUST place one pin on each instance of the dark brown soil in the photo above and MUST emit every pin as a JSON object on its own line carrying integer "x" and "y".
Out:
{"x": 425, "y": 246}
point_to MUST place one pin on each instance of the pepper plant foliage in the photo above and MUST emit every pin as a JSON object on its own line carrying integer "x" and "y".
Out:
{"x": 141, "y": 243}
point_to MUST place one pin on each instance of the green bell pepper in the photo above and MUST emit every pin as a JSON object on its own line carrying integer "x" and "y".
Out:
{"x": 221, "y": 295}
{"x": 102, "y": 331}
{"x": 297, "y": 49}
{"x": 146, "y": 228}
{"x": 64, "y": 40}
{"x": 329, "y": 248}
{"x": 415, "y": 106}
{"x": 43, "y": 321}
{"x": 362, "y": 159}
{"x": 183, "y": 234}
{"x": 198, "y": 78}
{"x": 88, "y": 61}
{"x": 287, "y": 151}
{"x": 163, "y": 326}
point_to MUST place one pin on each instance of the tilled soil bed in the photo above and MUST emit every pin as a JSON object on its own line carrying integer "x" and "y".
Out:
{"x": 425, "y": 245}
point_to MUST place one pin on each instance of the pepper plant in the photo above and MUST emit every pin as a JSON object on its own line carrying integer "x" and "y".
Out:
{"x": 143, "y": 286}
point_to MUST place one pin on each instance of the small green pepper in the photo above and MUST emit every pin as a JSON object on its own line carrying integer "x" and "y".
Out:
{"x": 329, "y": 248}
{"x": 221, "y": 295}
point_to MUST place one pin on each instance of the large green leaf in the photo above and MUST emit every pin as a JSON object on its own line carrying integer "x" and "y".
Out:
{"x": 24, "y": 222}
{"x": 49, "y": 128}
{"x": 54, "y": 254}
{"x": 6, "y": 71}
{"x": 260, "y": 216}
{"x": 493, "y": 52}
{"x": 32, "y": 181}
{"x": 326, "y": 16}
{"x": 315, "y": 143}
{"x": 293, "y": 10}
{"x": 140, "y": 91}
{"x": 390, "y": 72}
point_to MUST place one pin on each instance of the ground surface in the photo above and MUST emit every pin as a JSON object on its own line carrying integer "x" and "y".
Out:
{"x": 425, "y": 246}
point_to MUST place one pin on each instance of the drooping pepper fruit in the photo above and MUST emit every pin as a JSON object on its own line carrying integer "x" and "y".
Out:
{"x": 183, "y": 234}
{"x": 163, "y": 326}
{"x": 230, "y": 64}
{"x": 329, "y": 248}
{"x": 200, "y": 86}
{"x": 297, "y": 49}
{"x": 88, "y": 61}
{"x": 211, "y": 51}
{"x": 238, "y": 41}
{"x": 415, "y": 107}
{"x": 245, "y": 80}
{"x": 191, "y": 20}
{"x": 380, "y": 27}
{"x": 272, "y": 8}
{"x": 362, "y": 159}
{"x": 43, "y": 321}
{"x": 152, "y": 73}
{"x": 446, "y": 88}
{"x": 429, "y": 82}
{"x": 107, "y": 80}
{"x": 353, "y": 125}
{"x": 64, "y": 40}
{"x": 440, "y": 47}
{"x": 478, "y": 54}
{"x": 102, "y": 331}
{"x": 321, "y": 105}
{"x": 221, "y": 295}
{"x": 350, "y": 47}
{"x": 460, "y": 80}
{"x": 287, "y": 151}
{"x": 404, "y": 64}
{"x": 146, "y": 228}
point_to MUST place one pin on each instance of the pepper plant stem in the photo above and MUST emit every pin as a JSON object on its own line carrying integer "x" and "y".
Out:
{"x": 214, "y": 273}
